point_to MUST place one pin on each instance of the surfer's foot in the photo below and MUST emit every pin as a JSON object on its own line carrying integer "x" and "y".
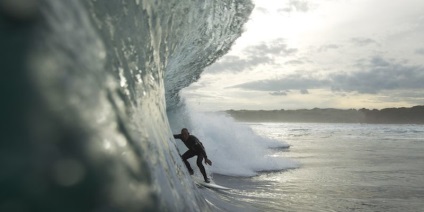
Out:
{"x": 191, "y": 172}
{"x": 207, "y": 180}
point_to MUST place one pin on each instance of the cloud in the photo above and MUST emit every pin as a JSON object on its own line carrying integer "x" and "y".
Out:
{"x": 379, "y": 62}
{"x": 294, "y": 62}
{"x": 276, "y": 48}
{"x": 304, "y": 91}
{"x": 253, "y": 56}
{"x": 296, "y": 82}
{"x": 261, "y": 10}
{"x": 296, "y": 5}
{"x": 285, "y": 10}
{"x": 363, "y": 41}
{"x": 379, "y": 74}
{"x": 419, "y": 51}
{"x": 278, "y": 93}
{"x": 328, "y": 47}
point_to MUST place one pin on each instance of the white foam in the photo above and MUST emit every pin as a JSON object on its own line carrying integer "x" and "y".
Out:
{"x": 234, "y": 148}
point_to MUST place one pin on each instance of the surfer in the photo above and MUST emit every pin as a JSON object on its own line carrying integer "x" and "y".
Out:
{"x": 195, "y": 147}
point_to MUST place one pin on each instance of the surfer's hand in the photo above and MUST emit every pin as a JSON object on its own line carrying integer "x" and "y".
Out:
{"x": 207, "y": 161}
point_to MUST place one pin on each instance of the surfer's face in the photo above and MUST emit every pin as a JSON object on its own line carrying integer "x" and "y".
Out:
{"x": 184, "y": 134}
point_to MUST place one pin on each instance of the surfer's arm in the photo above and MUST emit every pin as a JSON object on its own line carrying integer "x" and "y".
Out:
{"x": 204, "y": 154}
{"x": 202, "y": 149}
{"x": 178, "y": 136}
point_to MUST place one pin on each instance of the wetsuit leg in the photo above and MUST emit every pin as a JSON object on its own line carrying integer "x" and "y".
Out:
{"x": 201, "y": 167}
{"x": 186, "y": 156}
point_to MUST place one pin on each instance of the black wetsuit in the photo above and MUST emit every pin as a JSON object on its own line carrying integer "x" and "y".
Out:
{"x": 195, "y": 147}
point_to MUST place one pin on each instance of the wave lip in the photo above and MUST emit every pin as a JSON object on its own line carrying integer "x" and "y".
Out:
{"x": 206, "y": 33}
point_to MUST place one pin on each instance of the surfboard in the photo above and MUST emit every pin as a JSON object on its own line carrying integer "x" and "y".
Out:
{"x": 210, "y": 185}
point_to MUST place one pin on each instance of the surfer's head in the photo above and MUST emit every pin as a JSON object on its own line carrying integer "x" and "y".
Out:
{"x": 185, "y": 133}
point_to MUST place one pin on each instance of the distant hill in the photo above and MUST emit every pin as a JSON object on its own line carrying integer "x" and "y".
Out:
{"x": 413, "y": 115}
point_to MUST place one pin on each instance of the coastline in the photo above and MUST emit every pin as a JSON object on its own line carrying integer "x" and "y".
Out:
{"x": 412, "y": 115}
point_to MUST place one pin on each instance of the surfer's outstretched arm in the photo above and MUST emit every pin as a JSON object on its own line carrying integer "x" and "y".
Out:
{"x": 202, "y": 149}
{"x": 207, "y": 161}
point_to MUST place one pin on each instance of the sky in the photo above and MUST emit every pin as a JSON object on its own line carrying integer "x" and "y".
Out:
{"x": 304, "y": 54}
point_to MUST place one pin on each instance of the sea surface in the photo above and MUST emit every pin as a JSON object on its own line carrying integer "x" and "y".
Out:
{"x": 342, "y": 167}
{"x": 90, "y": 101}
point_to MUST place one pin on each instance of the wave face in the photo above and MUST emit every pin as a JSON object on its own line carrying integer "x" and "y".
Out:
{"x": 88, "y": 86}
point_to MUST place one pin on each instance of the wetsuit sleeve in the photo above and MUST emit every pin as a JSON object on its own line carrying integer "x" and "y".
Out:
{"x": 202, "y": 150}
{"x": 177, "y": 136}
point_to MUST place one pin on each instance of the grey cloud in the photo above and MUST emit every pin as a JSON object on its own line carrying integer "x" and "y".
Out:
{"x": 285, "y": 10}
{"x": 278, "y": 93}
{"x": 255, "y": 60}
{"x": 379, "y": 62}
{"x": 328, "y": 47}
{"x": 380, "y": 74}
{"x": 253, "y": 56}
{"x": 363, "y": 41}
{"x": 261, "y": 9}
{"x": 304, "y": 91}
{"x": 419, "y": 51}
{"x": 296, "y": 5}
{"x": 301, "y": 6}
{"x": 291, "y": 82}
{"x": 277, "y": 47}
{"x": 294, "y": 62}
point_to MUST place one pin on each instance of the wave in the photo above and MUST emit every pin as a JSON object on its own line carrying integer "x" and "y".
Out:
{"x": 92, "y": 82}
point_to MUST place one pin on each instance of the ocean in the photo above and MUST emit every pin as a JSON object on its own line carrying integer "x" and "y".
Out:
{"x": 342, "y": 167}
{"x": 90, "y": 101}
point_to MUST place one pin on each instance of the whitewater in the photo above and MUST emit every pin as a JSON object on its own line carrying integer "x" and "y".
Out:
{"x": 91, "y": 100}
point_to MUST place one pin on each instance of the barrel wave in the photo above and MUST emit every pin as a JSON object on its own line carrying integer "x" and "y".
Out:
{"x": 86, "y": 88}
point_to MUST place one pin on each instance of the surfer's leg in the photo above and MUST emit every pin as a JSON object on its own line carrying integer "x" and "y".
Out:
{"x": 201, "y": 167}
{"x": 186, "y": 156}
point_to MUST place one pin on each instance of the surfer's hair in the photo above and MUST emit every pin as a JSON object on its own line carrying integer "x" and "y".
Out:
{"x": 184, "y": 129}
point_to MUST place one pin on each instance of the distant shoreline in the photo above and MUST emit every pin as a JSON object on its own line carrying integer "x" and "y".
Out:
{"x": 412, "y": 115}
